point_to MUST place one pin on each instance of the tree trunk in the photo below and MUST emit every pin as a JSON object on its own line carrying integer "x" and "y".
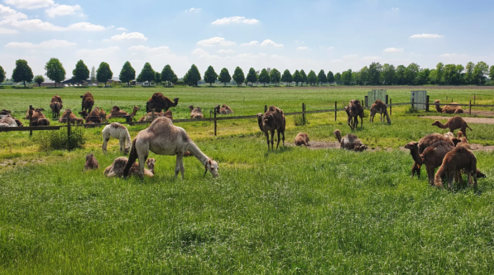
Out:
{"x": 24, "y": 81}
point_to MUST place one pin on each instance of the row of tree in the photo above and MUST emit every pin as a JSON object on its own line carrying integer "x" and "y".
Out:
{"x": 374, "y": 74}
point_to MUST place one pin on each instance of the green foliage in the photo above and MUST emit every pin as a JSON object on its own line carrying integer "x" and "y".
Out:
{"x": 224, "y": 76}
{"x": 374, "y": 73}
{"x": 22, "y": 72}
{"x": 312, "y": 78}
{"x": 469, "y": 73}
{"x": 287, "y": 77}
{"x": 321, "y": 77}
{"x": 252, "y": 76}
{"x": 275, "y": 76}
{"x": 238, "y": 76}
{"x": 330, "y": 77}
{"x": 104, "y": 73}
{"x": 210, "y": 75}
{"x": 400, "y": 77}
{"x": 92, "y": 78}
{"x": 168, "y": 75}
{"x": 479, "y": 73}
{"x": 298, "y": 120}
{"x": 411, "y": 73}
{"x": 81, "y": 72}
{"x": 491, "y": 73}
{"x": 58, "y": 140}
{"x": 39, "y": 79}
{"x": 304, "y": 76}
{"x": 346, "y": 77}
{"x": 439, "y": 73}
{"x": 192, "y": 76}
{"x": 264, "y": 77}
{"x": 147, "y": 74}
{"x": 297, "y": 77}
{"x": 388, "y": 74}
{"x": 55, "y": 71}
{"x": 2, "y": 75}
{"x": 127, "y": 74}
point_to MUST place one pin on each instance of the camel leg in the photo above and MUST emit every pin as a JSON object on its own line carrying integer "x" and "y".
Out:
{"x": 283, "y": 133}
{"x": 350, "y": 122}
{"x": 267, "y": 138}
{"x": 430, "y": 175}
{"x": 105, "y": 142}
{"x": 122, "y": 144}
{"x": 179, "y": 166}
{"x": 272, "y": 140}
{"x": 277, "y": 144}
{"x": 450, "y": 177}
{"x": 142, "y": 153}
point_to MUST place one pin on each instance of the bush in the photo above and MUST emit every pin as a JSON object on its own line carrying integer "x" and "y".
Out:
{"x": 57, "y": 140}
{"x": 53, "y": 87}
{"x": 411, "y": 110}
{"x": 299, "y": 120}
{"x": 180, "y": 83}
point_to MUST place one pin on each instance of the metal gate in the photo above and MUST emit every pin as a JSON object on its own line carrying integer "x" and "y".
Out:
{"x": 420, "y": 99}
{"x": 374, "y": 95}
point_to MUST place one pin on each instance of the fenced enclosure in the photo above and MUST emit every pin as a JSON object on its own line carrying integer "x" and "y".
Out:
{"x": 419, "y": 96}
{"x": 376, "y": 94}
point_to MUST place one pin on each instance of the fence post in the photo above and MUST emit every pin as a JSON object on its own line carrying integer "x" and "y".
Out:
{"x": 473, "y": 99}
{"x": 215, "y": 125}
{"x": 303, "y": 113}
{"x": 413, "y": 102}
{"x": 470, "y": 108}
{"x": 366, "y": 101}
{"x": 335, "y": 110}
{"x": 30, "y": 119}
{"x": 68, "y": 125}
{"x": 427, "y": 105}
{"x": 390, "y": 107}
{"x": 386, "y": 99}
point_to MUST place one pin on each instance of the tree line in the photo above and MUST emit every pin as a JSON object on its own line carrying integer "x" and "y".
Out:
{"x": 374, "y": 74}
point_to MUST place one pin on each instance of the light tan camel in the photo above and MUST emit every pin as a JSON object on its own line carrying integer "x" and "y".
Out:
{"x": 454, "y": 161}
{"x": 224, "y": 109}
{"x": 164, "y": 138}
{"x": 448, "y": 109}
{"x": 195, "y": 112}
{"x": 302, "y": 139}
{"x": 116, "y": 169}
{"x": 9, "y": 121}
{"x": 273, "y": 119}
{"x": 349, "y": 142}
{"x": 380, "y": 108}
{"x": 118, "y": 131}
{"x": 353, "y": 111}
{"x": 454, "y": 123}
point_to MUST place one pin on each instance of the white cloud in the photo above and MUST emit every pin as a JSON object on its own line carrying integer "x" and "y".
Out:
{"x": 215, "y": 41}
{"x": 395, "y": 9}
{"x": 302, "y": 48}
{"x": 150, "y": 50}
{"x": 50, "y": 44}
{"x": 393, "y": 50}
{"x": 370, "y": 58}
{"x": 427, "y": 35}
{"x": 7, "y": 31}
{"x": 350, "y": 56}
{"x": 9, "y": 15}
{"x": 269, "y": 42}
{"x": 85, "y": 26}
{"x": 122, "y": 29}
{"x": 223, "y": 51}
{"x": 60, "y": 10}
{"x": 251, "y": 43}
{"x": 98, "y": 52}
{"x": 36, "y": 24}
{"x": 30, "y": 4}
{"x": 234, "y": 20}
{"x": 129, "y": 36}
{"x": 452, "y": 55}
{"x": 193, "y": 10}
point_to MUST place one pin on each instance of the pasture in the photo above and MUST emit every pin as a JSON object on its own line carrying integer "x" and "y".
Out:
{"x": 292, "y": 210}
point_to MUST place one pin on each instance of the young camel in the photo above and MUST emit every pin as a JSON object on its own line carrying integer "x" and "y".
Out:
{"x": 116, "y": 169}
{"x": 117, "y": 112}
{"x": 69, "y": 115}
{"x": 164, "y": 138}
{"x": 149, "y": 116}
{"x": 381, "y": 108}
{"x": 224, "y": 109}
{"x": 118, "y": 131}
{"x": 302, "y": 139}
{"x": 453, "y": 162}
{"x": 454, "y": 123}
{"x": 195, "y": 112}
{"x": 91, "y": 163}
{"x": 433, "y": 157}
{"x": 448, "y": 109}
{"x": 353, "y": 111}
{"x": 94, "y": 116}
{"x": 37, "y": 117}
{"x": 272, "y": 120}
{"x": 349, "y": 142}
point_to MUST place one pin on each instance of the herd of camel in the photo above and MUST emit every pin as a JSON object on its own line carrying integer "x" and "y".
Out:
{"x": 451, "y": 154}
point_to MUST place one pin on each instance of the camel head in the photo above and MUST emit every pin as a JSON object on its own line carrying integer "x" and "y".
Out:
{"x": 412, "y": 145}
{"x": 83, "y": 114}
{"x": 268, "y": 120}
{"x": 115, "y": 109}
{"x": 136, "y": 108}
{"x": 90, "y": 156}
{"x": 175, "y": 101}
{"x": 437, "y": 101}
{"x": 436, "y": 123}
{"x": 217, "y": 108}
{"x": 191, "y": 107}
{"x": 150, "y": 162}
{"x": 212, "y": 167}
{"x": 359, "y": 147}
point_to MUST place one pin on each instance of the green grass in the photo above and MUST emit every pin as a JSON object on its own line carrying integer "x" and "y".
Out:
{"x": 293, "y": 210}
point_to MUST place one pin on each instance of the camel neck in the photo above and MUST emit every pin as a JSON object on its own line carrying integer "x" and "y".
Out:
{"x": 440, "y": 125}
{"x": 196, "y": 152}
{"x": 415, "y": 155}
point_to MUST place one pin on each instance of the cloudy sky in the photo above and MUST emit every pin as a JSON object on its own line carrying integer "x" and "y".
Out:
{"x": 310, "y": 35}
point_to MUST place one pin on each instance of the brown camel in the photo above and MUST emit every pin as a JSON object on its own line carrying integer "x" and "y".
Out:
{"x": 433, "y": 157}
{"x": 117, "y": 112}
{"x": 56, "y": 105}
{"x": 37, "y": 117}
{"x": 195, "y": 112}
{"x": 273, "y": 119}
{"x": 69, "y": 115}
{"x": 349, "y": 142}
{"x": 160, "y": 102}
{"x": 93, "y": 117}
{"x": 224, "y": 109}
{"x": 149, "y": 116}
{"x": 380, "y": 108}
{"x": 353, "y": 111}
{"x": 302, "y": 139}
{"x": 454, "y": 123}
{"x": 454, "y": 161}
{"x": 116, "y": 169}
{"x": 91, "y": 163}
{"x": 448, "y": 109}
{"x": 87, "y": 102}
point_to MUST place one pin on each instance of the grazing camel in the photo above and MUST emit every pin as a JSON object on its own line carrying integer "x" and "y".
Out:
{"x": 118, "y": 131}
{"x": 224, "y": 109}
{"x": 164, "y": 138}
{"x": 116, "y": 169}
{"x": 460, "y": 158}
{"x": 195, "y": 112}
{"x": 433, "y": 157}
{"x": 273, "y": 119}
{"x": 454, "y": 123}
{"x": 160, "y": 102}
{"x": 69, "y": 116}
{"x": 354, "y": 110}
{"x": 87, "y": 102}
{"x": 302, "y": 139}
{"x": 149, "y": 116}
{"x": 448, "y": 109}
{"x": 380, "y": 108}
{"x": 91, "y": 163}
{"x": 117, "y": 112}
{"x": 349, "y": 142}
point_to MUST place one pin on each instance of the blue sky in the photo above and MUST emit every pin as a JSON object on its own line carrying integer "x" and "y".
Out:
{"x": 309, "y": 35}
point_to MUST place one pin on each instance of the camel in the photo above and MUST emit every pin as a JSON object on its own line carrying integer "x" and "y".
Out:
{"x": 195, "y": 112}
{"x": 91, "y": 163}
{"x": 117, "y": 112}
{"x": 4, "y": 112}
{"x": 87, "y": 102}
{"x": 302, "y": 139}
{"x": 116, "y": 130}
{"x": 37, "y": 118}
{"x": 224, "y": 110}
{"x": 93, "y": 117}
{"x": 8, "y": 121}
{"x": 160, "y": 102}
{"x": 68, "y": 115}
{"x": 149, "y": 116}
{"x": 454, "y": 161}
{"x": 273, "y": 119}
{"x": 56, "y": 105}
{"x": 116, "y": 169}
{"x": 381, "y": 108}
{"x": 433, "y": 157}
{"x": 454, "y": 123}
{"x": 354, "y": 110}
{"x": 448, "y": 109}
{"x": 164, "y": 138}
{"x": 349, "y": 142}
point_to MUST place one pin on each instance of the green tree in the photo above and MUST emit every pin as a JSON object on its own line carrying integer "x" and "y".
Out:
{"x": 423, "y": 76}
{"x": 346, "y": 77}
{"x": 192, "y": 76}
{"x": 157, "y": 77}
{"x": 264, "y": 77}
{"x": 388, "y": 74}
{"x": 104, "y": 73}
{"x": 304, "y": 77}
{"x": 210, "y": 76}
{"x": 479, "y": 72}
{"x": 491, "y": 73}
{"x": 127, "y": 74}
{"x": 321, "y": 77}
{"x": 411, "y": 73}
{"x": 287, "y": 77}
{"x": 400, "y": 75}
{"x": 439, "y": 73}
{"x": 55, "y": 71}
{"x": 330, "y": 77}
{"x": 460, "y": 74}
{"x": 224, "y": 76}
{"x": 275, "y": 76}
{"x": 238, "y": 76}
{"x": 174, "y": 79}
{"x": 337, "y": 78}
{"x": 2, "y": 75}
{"x": 81, "y": 72}
{"x": 374, "y": 73}
{"x": 312, "y": 78}
{"x": 93, "y": 75}
{"x": 449, "y": 74}
{"x": 297, "y": 77}
{"x": 432, "y": 76}
{"x": 469, "y": 73}
{"x": 39, "y": 79}
{"x": 252, "y": 76}
{"x": 147, "y": 74}
{"x": 167, "y": 75}
{"x": 363, "y": 76}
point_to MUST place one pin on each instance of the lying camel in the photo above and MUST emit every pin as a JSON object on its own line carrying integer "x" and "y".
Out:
{"x": 69, "y": 116}
{"x": 454, "y": 123}
{"x": 91, "y": 163}
{"x": 93, "y": 117}
{"x": 8, "y": 121}
{"x": 349, "y": 142}
{"x": 149, "y": 116}
{"x": 37, "y": 117}
{"x": 302, "y": 139}
{"x": 448, "y": 109}
{"x": 224, "y": 109}
{"x": 117, "y": 112}
{"x": 116, "y": 169}
{"x": 195, "y": 112}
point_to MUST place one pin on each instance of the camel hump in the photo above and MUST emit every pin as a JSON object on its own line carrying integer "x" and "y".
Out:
{"x": 184, "y": 135}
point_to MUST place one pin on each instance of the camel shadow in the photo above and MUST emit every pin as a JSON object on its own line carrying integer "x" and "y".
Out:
{"x": 280, "y": 150}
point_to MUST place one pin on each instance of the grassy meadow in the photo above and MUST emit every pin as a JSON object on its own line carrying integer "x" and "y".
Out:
{"x": 292, "y": 210}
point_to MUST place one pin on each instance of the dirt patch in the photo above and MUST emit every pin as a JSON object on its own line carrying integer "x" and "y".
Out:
{"x": 473, "y": 120}
{"x": 483, "y": 113}
{"x": 480, "y": 147}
